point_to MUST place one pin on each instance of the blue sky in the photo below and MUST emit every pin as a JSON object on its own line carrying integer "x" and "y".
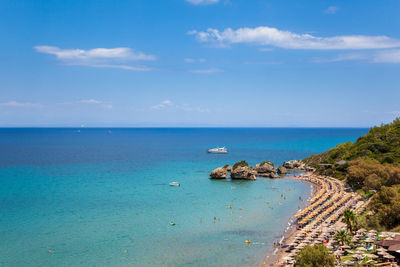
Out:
{"x": 199, "y": 63}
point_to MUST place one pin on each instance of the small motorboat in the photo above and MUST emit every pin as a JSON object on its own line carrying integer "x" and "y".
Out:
{"x": 218, "y": 150}
{"x": 174, "y": 184}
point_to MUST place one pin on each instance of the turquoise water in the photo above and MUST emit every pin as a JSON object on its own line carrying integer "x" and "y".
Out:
{"x": 100, "y": 199}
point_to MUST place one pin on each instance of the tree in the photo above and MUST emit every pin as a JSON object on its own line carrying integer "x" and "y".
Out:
{"x": 315, "y": 256}
{"x": 349, "y": 217}
{"x": 386, "y": 204}
{"x": 342, "y": 237}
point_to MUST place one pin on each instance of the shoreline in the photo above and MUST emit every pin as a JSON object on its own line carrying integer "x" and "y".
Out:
{"x": 276, "y": 252}
{"x": 321, "y": 215}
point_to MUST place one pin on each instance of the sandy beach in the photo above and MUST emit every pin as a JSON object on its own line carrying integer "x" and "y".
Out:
{"x": 314, "y": 222}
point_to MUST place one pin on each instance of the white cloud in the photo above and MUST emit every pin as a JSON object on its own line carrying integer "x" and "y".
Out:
{"x": 206, "y": 71}
{"x": 90, "y": 101}
{"x": 262, "y": 63}
{"x": 98, "y": 57}
{"x": 163, "y": 104}
{"x": 95, "y": 102}
{"x": 202, "y": 2}
{"x": 19, "y": 104}
{"x": 383, "y": 56}
{"x": 169, "y": 104}
{"x": 387, "y": 56}
{"x": 187, "y": 107}
{"x": 194, "y": 60}
{"x": 268, "y": 36}
{"x": 331, "y": 10}
{"x": 342, "y": 57}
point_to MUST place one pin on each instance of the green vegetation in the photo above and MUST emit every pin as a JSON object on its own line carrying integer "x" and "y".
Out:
{"x": 369, "y": 174}
{"x": 349, "y": 218}
{"x": 386, "y": 205}
{"x": 371, "y": 166}
{"x": 313, "y": 256}
{"x": 240, "y": 164}
{"x": 266, "y": 162}
{"x": 342, "y": 237}
{"x": 380, "y": 143}
{"x": 226, "y": 166}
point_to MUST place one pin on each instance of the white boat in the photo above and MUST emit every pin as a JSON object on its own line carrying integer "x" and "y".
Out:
{"x": 174, "y": 184}
{"x": 218, "y": 150}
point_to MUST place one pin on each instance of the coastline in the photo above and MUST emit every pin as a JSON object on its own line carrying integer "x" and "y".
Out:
{"x": 320, "y": 217}
{"x": 276, "y": 252}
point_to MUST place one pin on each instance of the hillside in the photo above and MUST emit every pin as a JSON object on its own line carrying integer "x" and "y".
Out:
{"x": 381, "y": 143}
{"x": 370, "y": 165}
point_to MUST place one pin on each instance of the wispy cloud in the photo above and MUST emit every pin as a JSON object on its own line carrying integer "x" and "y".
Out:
{"x": 393, "y": 112}
{"x": 194, "y": 60}
{"x": 262, "y": 62}
{"x": 268, "y": 36}
{"x": 187, "y": 107}
{"x": 342, "y": 57}
{"x": 206, "y": 71}
{"x": 99, "y": 57}
{"x": 168, "y": 104}
{"x": 163, "y": 104}
{"x": 96, "y": 102}
{"x": 383, "y": 56}
{"x": 202, "y": 2}
{"x": 331, "y": 10}
{"x": 20, "y": 104}
{"x": 387, "y": 56}
{"x": 90, "y": 101}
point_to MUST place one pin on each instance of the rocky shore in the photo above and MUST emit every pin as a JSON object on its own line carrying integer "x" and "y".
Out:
{"x": 242, "y": 170}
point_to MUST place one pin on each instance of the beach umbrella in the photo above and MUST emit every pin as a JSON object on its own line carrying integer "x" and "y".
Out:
{"x": 348, "y": 262}
{"x": 357, "y": 256}
{"x": 372, "y": 256}
{"x": 388, "y": 256}
{"x": 362, "y": 230}
{"x": 361, "y": 249}
{"x": 338, "y": 253}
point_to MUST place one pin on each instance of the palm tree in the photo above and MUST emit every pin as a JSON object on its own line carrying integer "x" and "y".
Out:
{"x": 349, "y": 217}
{"x": 342, "y": 237}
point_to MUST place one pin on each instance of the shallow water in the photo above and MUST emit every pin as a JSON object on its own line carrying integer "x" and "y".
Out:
{"x": 100, "y": 199}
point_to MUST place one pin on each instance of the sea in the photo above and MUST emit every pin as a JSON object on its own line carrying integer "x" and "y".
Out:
{"x": 100, "y": 196}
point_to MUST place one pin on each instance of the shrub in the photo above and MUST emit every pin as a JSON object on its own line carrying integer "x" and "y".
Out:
{"x": 313, "y": 256}
{"x": 266, "y": 162}
{"x": 242, "y": 163}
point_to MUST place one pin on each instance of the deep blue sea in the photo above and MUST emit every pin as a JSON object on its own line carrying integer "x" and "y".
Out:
{"x": 100, "y": 197}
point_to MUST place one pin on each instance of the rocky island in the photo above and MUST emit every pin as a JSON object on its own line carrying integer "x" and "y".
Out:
{"x": 242, "y": 170}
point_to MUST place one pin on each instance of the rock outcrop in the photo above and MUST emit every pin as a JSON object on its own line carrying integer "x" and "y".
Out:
{"x": 244, "y": 172}
{"x": 265, "y": 166}
{"x": 294, "y": 164}
{"x": 266, "y": 169}
{"x": 219, "y": 173}
{"x": 282, "y": 170}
